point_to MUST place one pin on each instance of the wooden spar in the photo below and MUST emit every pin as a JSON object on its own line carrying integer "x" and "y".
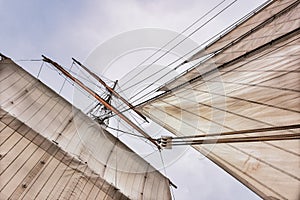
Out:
{"x": 107, "y": 105}
{"x": 110, "y": 89}
{"x": 242, "y": 139}
{"x": 257, "y": 130}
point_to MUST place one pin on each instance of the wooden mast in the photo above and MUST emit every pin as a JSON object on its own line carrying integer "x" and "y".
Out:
{"x": 110, "y": 89}
{"x": 107, "y": 105}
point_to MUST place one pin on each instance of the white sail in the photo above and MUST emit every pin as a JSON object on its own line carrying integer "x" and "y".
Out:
{"x": 273, "y": 21}
{"x": 51, "y": 150}
{"x": 253, "y": 83}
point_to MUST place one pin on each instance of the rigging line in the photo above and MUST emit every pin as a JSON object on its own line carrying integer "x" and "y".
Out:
{"x": 179, "y": 119}
{"x": 240, "y": 22}
{"x": 165, "y": 171}
{"x": 38, "y": 75}
{"x": 70, "y": 82}
{"x": 265, "y": 142}
{"x": 149, "y": 154}
{"x": 260, "y": 26}
{"x": 223, "y": 31}
{"x": 138, "y": 136}
{"x": 233, "y": 113}
{"x": 243, "y": 38}
{"x": 248, "y": 54}
{"x": 222, "y": 66}
{"x": 194, "y": 66}
{"x": 65, "y": 79}
{"x": 246, "y": 100}
{"x": 193, "y": 113}
{"x": 243, "y": 64}
{"x": 168, "y": 51}
{"x": 116, "y": 149}
{"x": 256, "y": 85}
{"x": 210, "y": 106}
{"x": 89, "y": 76}
{"x": 244, "y": 139}
{"x": 218, "y": 51}
{"x": 88, "y": 108}
{"x": 258, "y": 130}
{"x": 88, "y": 80}
{"x": 110, "y": 90}
{"x": 178, "y": 35}
{"x": 119, "y": 130}
{"x": 163, "y": 163}
{"x": 271, "y": 41}
{"x": 145, "y": 141}
{"x": 234, "y": 25}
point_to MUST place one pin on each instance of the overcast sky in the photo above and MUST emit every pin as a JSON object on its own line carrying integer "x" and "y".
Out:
{"x": 64, "y": 29}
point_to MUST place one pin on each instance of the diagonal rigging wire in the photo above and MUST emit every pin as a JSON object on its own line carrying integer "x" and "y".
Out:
{"x": 181, "y": 40}
{"x": 224, "y": 72}
{"x": 126, "y": 132}
{"x": 216, "y": 34}
{"x": 251, "y": 60}
{"x": 70, "y": 81}
{"x": 191, "y": 51}
{"x": 239, "y": 21}
{"x": 142, "y": 138}
{"x": 225, "y": 47}
{"x": 171, "y": 64}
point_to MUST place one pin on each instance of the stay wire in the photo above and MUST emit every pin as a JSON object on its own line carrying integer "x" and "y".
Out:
{"x": 176, "y": 60}
{"x": 69, "y": 81}
{"x": 38, "y": 75}
{"x": 211, "y": 54}
{"x": 259, "y": 57}
{"x": 65, "y": 79}
{"x": 224, "y": 30}
{"x": 200, "y": 62}
{"x": 165, "y": 171}
{"x": 160, "y": 49}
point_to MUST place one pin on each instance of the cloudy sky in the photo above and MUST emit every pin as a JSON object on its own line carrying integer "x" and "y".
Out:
{"x": 64, "y": 29}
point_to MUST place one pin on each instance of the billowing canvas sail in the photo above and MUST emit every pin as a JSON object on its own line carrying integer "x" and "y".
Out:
{"x": 33, "y": 167}
{"x": 271, "y": 22}
{"x": 251, "y": 83}
{"x": 50, "y": 149}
